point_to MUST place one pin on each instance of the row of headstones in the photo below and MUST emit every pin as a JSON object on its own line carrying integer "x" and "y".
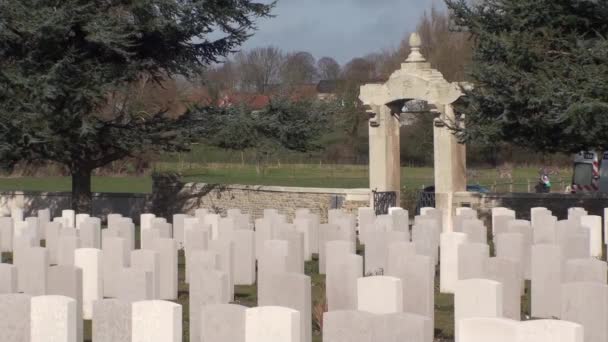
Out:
{"x": 54, "y": 318}
{"x": 466, "y": 255}
{"x": 208, "y": 283}
{"x": 555, "y": 256}
{"x": 582, "y": 305}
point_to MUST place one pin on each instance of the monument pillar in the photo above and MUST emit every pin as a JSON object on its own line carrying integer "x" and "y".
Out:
{"x": 449, "y": 164}
{"x": 415, "y": 80}
{"x": 384, "y": 151}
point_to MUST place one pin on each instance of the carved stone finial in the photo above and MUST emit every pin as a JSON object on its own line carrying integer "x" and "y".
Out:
{"x": 415, "y": 55}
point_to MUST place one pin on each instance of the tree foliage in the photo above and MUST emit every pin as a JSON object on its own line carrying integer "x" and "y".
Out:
{"x": 284, "y": 123}
{"x": 69, "y": 68}
{"x": 539, "y": 73}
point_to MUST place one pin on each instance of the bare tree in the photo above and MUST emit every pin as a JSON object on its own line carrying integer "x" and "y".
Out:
{"x": 298, "y": 68}
{"x": 328, "y": 68}
{"x": 359, "y": 70}
{"x": 448, "y": 51}
{"x": 259, "y": 68}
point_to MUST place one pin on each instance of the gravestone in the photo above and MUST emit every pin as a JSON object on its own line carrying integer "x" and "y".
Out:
{"x": 472, "y": 258}
{"x": 594, "y": 224}
{"x": 111, "y": 321}
{"x": 397, "y": 254}
{"x": 244, "y": 257}
{"x": 508, "y": 272}
{"x": 585, "y": 270}
{"x": 476, "y": 231}
{"x": 273, "y": 259}
{"x": 145, "y": 221}
{"x": 512, "y": 246}
{"x": 17, "y": 214}
{"x": 305, "y": 226}
{"x": 223, "y": 322}
{"x": 550, "y": 330}
{"x": 32, "y": 271}
{"x": 417, "y": 274}
{"x": 53, "y": 318}
{"x": 15, "y": 313}
{"x": 8, "y": 278}
{"x": 425, "y": 235}
{"x": 295, "y": 239}
{"x": 523, "y": 227}
{"x": 126, "y": 230}
{"x": 115, "y": 255}
{"x": 545, "y": 230}
{"x": 66, "y": 247}
{"x": 290, "y": 290}
{"x": 341, "y": 281}
{"x": 167, "y": 251}
{"x": 402, "y": 327}
{"x": 6, "y": 234}
{"x": 136, "y": 285}
{"x": 156, "y": 321}
{"x": 67, "y": 281}
{"x": 330, "y": 232}
{"x": 91, "y": 263}
{"x": 348, "y": 326}
{"x": 380, "y": 294}
{"x": 90, "y": 234}
{"x": 148, "y": 237}
{"x": 376, "y": 250}
{"x": 178, "y": 229}
{"x": 112, "y": 219}
{"x": 271, "y": 324}
{"x": 500, "y": 224}
{"x": 70, "y": 217}
{"x": 148, "y": 261}
{"x": 449, "y": 260}
{"x": 475, "y": 298}
{"x": 487, "y": 329}
{"x": 586, "y": 304}
{"x": 204, "y": 260}
{"x": 196, "y": 237}
{"x": 225, "y": 250}
{"x": 206, "y": 287}
{"x": 546, "y": 281}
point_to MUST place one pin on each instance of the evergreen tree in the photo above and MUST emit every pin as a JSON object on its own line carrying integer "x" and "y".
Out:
{"x": 69, "y": 69}
{"x": 539, "y": 74}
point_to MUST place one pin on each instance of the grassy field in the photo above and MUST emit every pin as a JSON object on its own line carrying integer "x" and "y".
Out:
{"x": 301, "y": 175}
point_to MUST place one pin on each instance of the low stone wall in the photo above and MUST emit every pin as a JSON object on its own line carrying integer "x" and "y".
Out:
{"x": 522, "y": 202}
{"x": 253, "y": 199}
{"x": 127, "y": 204}
{"x": 171, "y": 198}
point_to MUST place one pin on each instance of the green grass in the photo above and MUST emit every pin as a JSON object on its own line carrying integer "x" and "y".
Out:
{"x": 298, "y": 175}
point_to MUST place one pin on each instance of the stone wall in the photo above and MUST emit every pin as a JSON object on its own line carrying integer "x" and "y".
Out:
{"x": 522, "y": 202}
{"x": 253, "y": 199}
{"x": 169, "y": 198}
{"x": 127, "y": 204}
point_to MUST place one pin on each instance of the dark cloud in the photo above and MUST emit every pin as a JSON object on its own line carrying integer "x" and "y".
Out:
{"x": 342, "y": 29}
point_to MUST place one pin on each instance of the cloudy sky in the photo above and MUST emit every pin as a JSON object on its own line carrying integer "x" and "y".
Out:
{"x": 342, "y": 29}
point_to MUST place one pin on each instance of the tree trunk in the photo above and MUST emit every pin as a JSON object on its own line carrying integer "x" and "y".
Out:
{"x": 82, "y": 198}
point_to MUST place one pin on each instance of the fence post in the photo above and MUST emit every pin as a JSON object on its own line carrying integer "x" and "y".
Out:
{"x": 511, "y": 186}
{"x": 528, "y": 180}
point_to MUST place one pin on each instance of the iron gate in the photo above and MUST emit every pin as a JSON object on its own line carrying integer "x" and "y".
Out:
{"x": 383, "y": 201}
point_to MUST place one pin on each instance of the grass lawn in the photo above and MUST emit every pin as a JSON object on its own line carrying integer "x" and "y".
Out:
{"x": 309, "y": 175}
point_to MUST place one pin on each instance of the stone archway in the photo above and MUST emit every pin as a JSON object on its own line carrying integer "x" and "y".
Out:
{"x": 415, "y": 80}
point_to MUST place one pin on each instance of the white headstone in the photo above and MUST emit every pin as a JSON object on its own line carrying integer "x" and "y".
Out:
{"x": 156, "y": 321}
{"x": 380, "y": 294}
